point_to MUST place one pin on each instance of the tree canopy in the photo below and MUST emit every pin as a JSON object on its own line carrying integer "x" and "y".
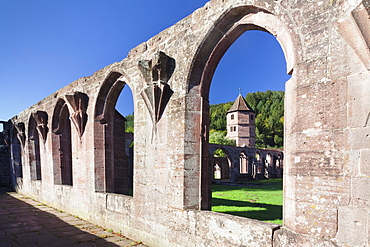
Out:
{"x": 269, "y": 107}
{"x": 219, "y": 137}
{"x": 129, "y": 127}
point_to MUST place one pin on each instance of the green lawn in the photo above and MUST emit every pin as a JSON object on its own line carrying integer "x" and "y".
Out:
{"x": 260, "y": 200}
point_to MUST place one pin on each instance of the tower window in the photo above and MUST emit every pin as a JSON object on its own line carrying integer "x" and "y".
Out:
{"x": 232, "y": 116}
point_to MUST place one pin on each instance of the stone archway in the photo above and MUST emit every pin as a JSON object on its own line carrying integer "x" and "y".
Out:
{"x": 34, "y": 149}
{"x": 220, "y": 164}
{"x": 112, "y": 164}
{"x": 62, "y": 144}
{"x": 225, "y": 31}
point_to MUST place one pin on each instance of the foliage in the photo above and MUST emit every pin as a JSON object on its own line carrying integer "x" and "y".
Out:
{"x": 219, "y": 137}
{"x": 269, "y": 107}
{"x": 217, "y": 115}
{"x": 260, "y": 200}
{"x": 130, "y": 123}
{"x": 219, "y": 153}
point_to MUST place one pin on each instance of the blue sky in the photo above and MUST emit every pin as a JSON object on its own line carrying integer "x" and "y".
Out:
{"x": 45, "y": 45}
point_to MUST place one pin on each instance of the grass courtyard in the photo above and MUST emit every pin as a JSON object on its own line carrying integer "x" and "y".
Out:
{"x": 260, "y": 200}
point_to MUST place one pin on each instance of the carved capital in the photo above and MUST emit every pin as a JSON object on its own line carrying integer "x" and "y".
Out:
{"x": 157, "y": 72}
{"x": 41, "y": 119}
{"x": 79, "y": 102}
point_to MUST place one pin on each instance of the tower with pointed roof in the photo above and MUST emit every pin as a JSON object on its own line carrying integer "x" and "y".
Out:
{"x": 241, "y": 123}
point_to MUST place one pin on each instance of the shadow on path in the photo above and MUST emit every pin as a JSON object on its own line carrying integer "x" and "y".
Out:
{"x": 25, "y": 222}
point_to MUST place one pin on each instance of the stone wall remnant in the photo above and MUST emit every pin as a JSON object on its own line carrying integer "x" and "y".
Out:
{"x": 326, "y": 149}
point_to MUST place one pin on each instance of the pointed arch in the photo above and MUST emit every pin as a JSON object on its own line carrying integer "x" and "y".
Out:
{"x": 230, "y": 25}
{"x": 108, "y": 95}
{"x": 113, "y": 165}
{"x": 34, "y": 149}
{"x": 244, "y": 163}
{"x": 62, "y": 144}
{"x": 268, "y": 165}
{"x": 16, "y": 157}
{"x": 221, "y": 164}
{"x": 17, "y": 152}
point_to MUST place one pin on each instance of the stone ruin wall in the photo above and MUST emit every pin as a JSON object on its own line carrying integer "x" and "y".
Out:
{"x": 268, "y": 165}
{"x": 327, "y": 146}
{"x": 4, "y": 161}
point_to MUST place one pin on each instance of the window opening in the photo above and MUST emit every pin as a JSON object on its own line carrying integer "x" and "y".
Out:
{"x": 124, "y": 143}
{"x": 62, "y": 144}
{"x": 66, "y": 148}
{"x": 16, "y": 156}
{"x": 257, "y": 168}
{"x": 220, "y": 163}
{"x": 34, "y": 150}
{"x": 243, "y": 161}
{"x": 114, "y": 127}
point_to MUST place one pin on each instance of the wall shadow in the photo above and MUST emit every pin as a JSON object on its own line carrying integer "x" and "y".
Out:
{"x": 262, "y": 185}
{"x": 27, "y": 222}
{"x": 235, "y": 203}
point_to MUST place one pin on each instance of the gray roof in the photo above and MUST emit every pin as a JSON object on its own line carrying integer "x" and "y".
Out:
{"x": 240, "y": 105}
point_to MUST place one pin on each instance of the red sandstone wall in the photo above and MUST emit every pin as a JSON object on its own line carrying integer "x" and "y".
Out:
{"x": 326, "y": 201}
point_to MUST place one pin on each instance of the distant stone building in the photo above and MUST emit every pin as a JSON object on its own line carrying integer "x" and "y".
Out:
{"x": 241, "y": 123}
{"x": 244, "y": 161}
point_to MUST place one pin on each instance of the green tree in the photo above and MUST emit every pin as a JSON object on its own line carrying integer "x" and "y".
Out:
{"x": 219, "y": 137}
{"x": 218, "y": 115}
{"x": 129, "y": 127}
{"x": 269, "y": 107}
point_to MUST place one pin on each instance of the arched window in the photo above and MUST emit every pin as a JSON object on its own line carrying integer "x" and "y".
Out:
{"x": 268, "y": 166}
{"x": 113, "y": 157}
{"x": 62, "y": 144}
{"x": 220, "y": 37}
{"x": 34, "y": 149}
{"x": 16, "y": 151}
{"x": 243, "y": 161}
{"x": 221, "y": 164}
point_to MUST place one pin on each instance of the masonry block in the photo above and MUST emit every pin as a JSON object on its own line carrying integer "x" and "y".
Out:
{"x": 361, "y": 195}
{"x": 353, "y": 225}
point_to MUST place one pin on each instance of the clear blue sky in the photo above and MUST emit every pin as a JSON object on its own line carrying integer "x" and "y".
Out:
{"x": 47, "y": 44}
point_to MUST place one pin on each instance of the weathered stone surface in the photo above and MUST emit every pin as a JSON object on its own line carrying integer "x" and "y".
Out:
{"x": 327, "y": 131}
{"x": 286, "y": 238}
{"x": 353, "y": 226}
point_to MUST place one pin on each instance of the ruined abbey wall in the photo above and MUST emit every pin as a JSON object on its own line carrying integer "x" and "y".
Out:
{"x": 327, "y": 146}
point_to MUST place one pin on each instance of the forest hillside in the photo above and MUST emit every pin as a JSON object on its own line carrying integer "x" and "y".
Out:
{"x": 269, "y": 107}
